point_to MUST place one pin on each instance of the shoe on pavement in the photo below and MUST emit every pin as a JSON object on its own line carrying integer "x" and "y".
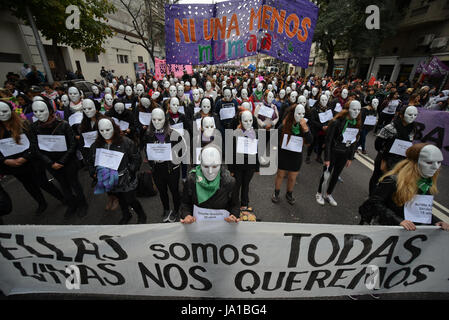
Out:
{"x": 166, "y": 215}
{"x": 364, "y": 152}
{"x": 275, "y": 199}
{"x": 355, "y": 298}
{"x": 331, "y": 200}
{"x": 173, "y": 216}
{"x": 290, "y": 199}
{"x": 375, "y": 296}
{"x": 319, "y": 199}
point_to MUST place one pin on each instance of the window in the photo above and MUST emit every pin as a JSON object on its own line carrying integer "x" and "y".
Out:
{"x": 122, "y": 58}
{"x": 140, "y": 59}
{"x": 91, "y": 57}
{"x": 10, "y": 57}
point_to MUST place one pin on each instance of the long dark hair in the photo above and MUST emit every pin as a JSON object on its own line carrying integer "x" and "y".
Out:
{"x": 85, "y": 123}
{"x": 16, "y": 124}
{"x": 288, "y": 122}
{"x": 116, "y": 138}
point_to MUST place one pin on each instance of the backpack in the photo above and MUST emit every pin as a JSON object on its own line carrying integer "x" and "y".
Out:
{"x": 145, "y": 185}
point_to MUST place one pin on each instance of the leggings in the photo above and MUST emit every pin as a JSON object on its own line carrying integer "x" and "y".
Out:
{"x": 164, "y": 181}
{"x": 337, "y": 164}
{"x": 49, "y": 187}
{"x": 243, "y": 178}
{"x": 129, "y": 199}
{"x": 67, "y": 177}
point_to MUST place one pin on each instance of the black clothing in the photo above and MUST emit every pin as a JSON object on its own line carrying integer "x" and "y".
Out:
{"x": 290, "y": 160}
{"x": 126, "y": 116}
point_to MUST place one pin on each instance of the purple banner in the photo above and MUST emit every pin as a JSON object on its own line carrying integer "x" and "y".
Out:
{"x": 433, "y": 127}
{"x": 216, "y": 33}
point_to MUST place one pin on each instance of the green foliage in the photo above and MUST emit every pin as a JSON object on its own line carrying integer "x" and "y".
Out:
{"x": 50, "y": 19}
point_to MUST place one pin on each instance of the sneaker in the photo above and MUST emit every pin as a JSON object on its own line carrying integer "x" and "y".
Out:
{"x": 173, "y": 216}
{"x": 319, "y": 199}
{"x": 166, "y": 216}
{"x": 290, "y": 199}
{"x": 331, "y": 200}
{"x": 375, "y": 296}
{"x": 275, "y": 198}
{"x": 353, "y": 297}
{"x": 340, "y": 179}
{"x": 359, "y": 148}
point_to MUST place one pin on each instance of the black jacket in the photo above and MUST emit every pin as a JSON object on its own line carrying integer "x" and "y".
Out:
{"x": 27, "y": 154}
{"x": 221, "y": 200}
{"x": 334, "y": 140}
{"x": 58, "y": 127}
{"x": 128, "y": 116}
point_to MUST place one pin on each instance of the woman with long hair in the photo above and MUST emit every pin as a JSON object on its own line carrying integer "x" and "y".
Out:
{"x": 403, "y": 188}
{"x": 341, "y": 143}
{"x": 388, "y": 109}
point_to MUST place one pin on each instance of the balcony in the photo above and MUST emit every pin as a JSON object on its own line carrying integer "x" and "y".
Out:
{"x": 429, "y": 13}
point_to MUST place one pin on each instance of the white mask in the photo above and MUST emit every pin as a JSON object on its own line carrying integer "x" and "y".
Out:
{"x": 5, "y": 112}
{"x": 107, "y": 90}
{"x": 244, "y": 94}
{"x": 293, "y": 86}
{"x": 260, "y": 87}
{"x": 128, "y": 91}
{"x": 270, "y": 97}
{"x": 293, "y": 96}
{"x": 300, "y": 112}
{"x": 314, "y": 92}
{"x": 306, "y": 93}
{"x": 201, "y": 93}
{"x": 302, "y": 100}
{"x": 40, "y": 111}
{"x": 225, "y": 78}
{"x": 155, "y": 95}
{"x": 210, "y": 163}
{"x": 108, "y": 99}
{"x": 194, "y": 82}
{"x": 245, "y": 85}
{"x": 354, "y": 109}
{"x": 174, "y": 105}
{"x": 223, "y": 84}
{"x": 121, "y": 89}
{"x": 158, "y": 118}
{"x": 227, "y": 95}
{"x": 166, "y": 84}
{"x": 89, "y": 108}
{"x": 145, "y": 102}
{"x": 344, "y": 93}
{"x": 257, "y": 81}
{"x": 375, "y": 103}
{"x": 328, "y": 94}
{"x": 164, "y": 79}
{"x": 282, "y": 94}
{"x": 275, "y": 80}
{"x": 410, "y": 115}
{"x": 208, "y": 86}
{"x": 270, "y": 87}
{"x": 65, "y": 100}
{"x": 324, "y": 100}
{"x": 246, "y": 105}
{"x": 140, "y": 90}
{"x": 288, "y": 90}
{"x": 214, "y": 77}
{"x": 234, "y": 93}
{"x": 154, "y": 85}
{"x": 205, "y": 106}
{"x": 187, "y": 84}
{"x": 172, "y": 91}
{"x": 74, "y": 95}
{"x": 106, "y": 129}
{"x": 114, "y": 82}
{"x": 196, "y": 95}
{"x": 247, "y": 120}
{"x": 182, "y": 82}
{"x": 95, "y": 90}
{"x": 180, "y": 91}
{"x": 323, "y": 83}
{"x": 129, "y": 81}
{"x": 289, "y": 78}
{"x": 429, "y": 161}
{"x": 119, "y": 107}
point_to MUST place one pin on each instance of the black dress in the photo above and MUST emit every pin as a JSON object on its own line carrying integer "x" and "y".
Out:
{"x": 290, "y": 160}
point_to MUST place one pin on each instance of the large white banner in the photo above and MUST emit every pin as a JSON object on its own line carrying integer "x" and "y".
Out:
{"x": 217, "y": 259}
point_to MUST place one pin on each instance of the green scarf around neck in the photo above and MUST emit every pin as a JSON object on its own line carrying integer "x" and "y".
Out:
{"x": 424, "y": 184}
{"x": 352, "y": 122}
{"x": 296, "y": 129}
{"x": 205, "y": 189}
{"x": 258, "y": 94}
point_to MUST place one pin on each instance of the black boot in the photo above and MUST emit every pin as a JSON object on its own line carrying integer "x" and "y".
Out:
{"x": 125, "y": 219}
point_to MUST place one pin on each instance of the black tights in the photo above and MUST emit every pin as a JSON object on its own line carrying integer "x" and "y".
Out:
{"x": 337, "y": 164}
{"x": 129, "y": 199}
{"x": 165, "y": 181}
{"x": 243, "y": 178}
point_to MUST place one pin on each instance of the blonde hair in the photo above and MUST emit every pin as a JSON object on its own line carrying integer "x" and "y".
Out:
{"x": 408, "y": 175}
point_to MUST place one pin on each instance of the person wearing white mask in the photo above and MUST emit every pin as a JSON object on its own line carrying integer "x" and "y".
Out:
{"x": 293, "y": 135}
{"x": 209, "y": 186}
{"x": 206, "y": 111}
{"x": 257, "y": 96}
{"x": 88, "y": 126}
{"x": 226, "y": 109}
{"x": 404, "y": 187}
{"x": 388, "y": 109}
{"x": 129, "y": 99}
{"x": 267, "y": 113}
{"x": 166, "y": 172}
{"x": 194, "y": 106}
{"x": 245, "y": 98}
{"x": 340, "y": 147}
{"x": 369, "y": 120}
{"x": 143, "y": 112}
{"x": 121, "y": 91}
{"x": 290, "y": 101}
{"x": 54, "y": 145}
{"x": 320, "y": 116}
{"x": 125, "y": 119}
{"x": 96, "y": 94}
{"x": 108, "y": 103}
{"x": 75, "y": 104}
{"x": 210, "y": 92}
{"x": 402, "y": 129}
{"x": 120, "y": 181}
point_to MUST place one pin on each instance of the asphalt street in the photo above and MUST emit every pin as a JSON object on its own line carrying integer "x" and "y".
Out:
{"x": 350, "y": 194}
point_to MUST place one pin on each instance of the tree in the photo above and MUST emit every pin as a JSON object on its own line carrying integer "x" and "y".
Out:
{"x": 148, "y": 20}
{"x": 342, "y": 27}
{"x": 50, "y": 18}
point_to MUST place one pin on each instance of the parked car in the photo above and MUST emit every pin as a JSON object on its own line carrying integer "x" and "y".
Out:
{"x": 82, "y": 85}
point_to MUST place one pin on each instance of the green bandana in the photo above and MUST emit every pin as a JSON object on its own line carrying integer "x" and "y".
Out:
{"x": 353, "y": 122}
{"x": 205, "y": 189}
{"x": 425, "y": 184}
{"x": 296, "y": 129}
{"x": 258, "y": 94}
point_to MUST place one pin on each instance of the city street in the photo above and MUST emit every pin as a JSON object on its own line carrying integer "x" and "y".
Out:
{"x": 349, "y": 194}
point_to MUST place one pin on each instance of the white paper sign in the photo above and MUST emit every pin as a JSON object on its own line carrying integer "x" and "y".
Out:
{"x": 117, "y": 121}
{"x": 370, "y": 121}
{"x": 338, "y": 108}
{"x": 108, "y": 158}
{"x": 198, "y": 123}
{"x": 203, "y": 214}
{"x": 257, "y": 104}
{"x": 266, "y": 112}
{"x": 76, "y": 118}
{"x": 181, "y": 110}
{"x": 399, "y": 147}
{"x": 89, "y": 138}
{"x": 159, "y": 151}
{"x": 179, "y": 127}
{"x": 295, "y": 144}
{"x": 350, "y": 135}
{"x": 9, "y": 147}
{"x": 197, "y": 158}
{"x": 419, "y": 209}
{"x": 391, "y": 108}
{"x": 227, "y": 113}
{"x": 52, "y": 143}
{"x": 123, "y": 125}
{"x": 196, "y": 109}
{"x": 35, "y": 119}
{"x": 312, "y": 102}
{"x": 246, "y": 145}
{"x": 128, "y": 105}
{"x": 326, "y": 116}
{"x": 145, "y": 118}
